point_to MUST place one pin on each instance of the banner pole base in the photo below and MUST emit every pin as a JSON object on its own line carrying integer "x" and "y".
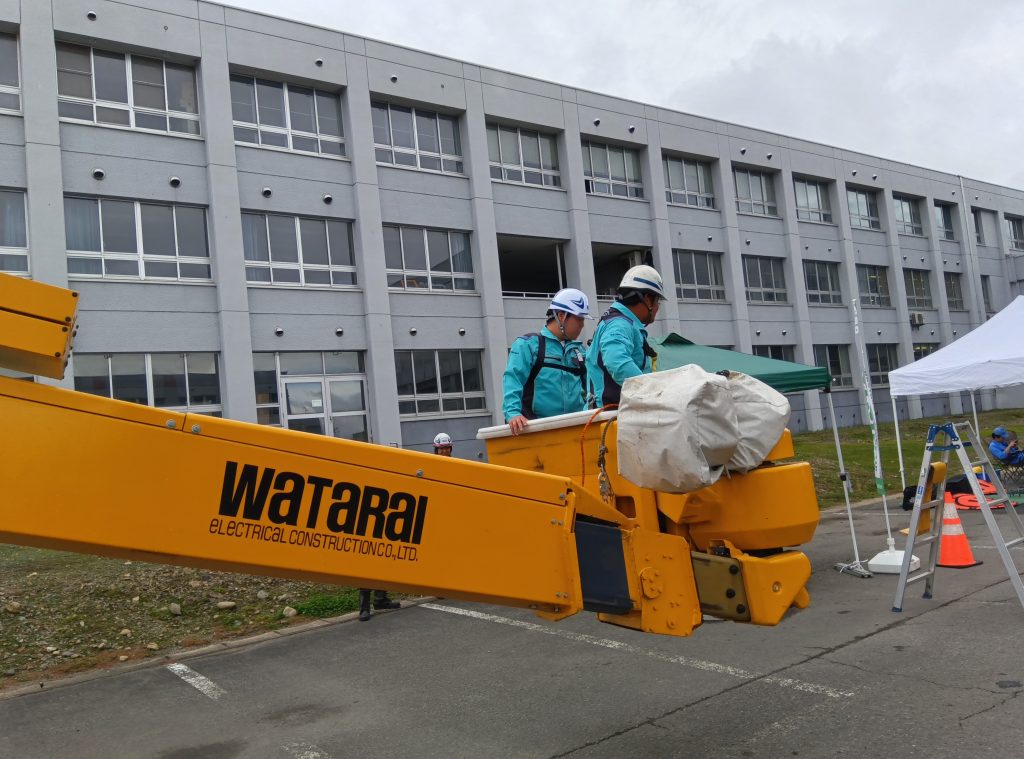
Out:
{"x": 890, "y": 561}
{"x": 854, "y": 568}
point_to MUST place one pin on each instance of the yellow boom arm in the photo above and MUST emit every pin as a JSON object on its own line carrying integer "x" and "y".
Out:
{"x": 102, "y": 476}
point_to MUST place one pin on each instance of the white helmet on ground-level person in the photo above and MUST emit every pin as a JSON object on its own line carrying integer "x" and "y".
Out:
{"x": 571, "y": 301}
{"x": 645, "y": 279}
{"x": 442, "y": 440}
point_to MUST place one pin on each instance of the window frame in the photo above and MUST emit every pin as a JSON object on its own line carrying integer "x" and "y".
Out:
{"x": 506, "y": 171}
{"x": 944, "y": 221}
{"x": 776, "y": 352}
{"x": 129, "y": 105}
{"x": 868, "y": 275}
{"x": 919, "y": 288}
{"x": 288, "y": 130}
{"x": 139, "y": 256}
{"x": 986, "y": 294}
{"x": 979, "y": 226}
{"x": 953, "y": 282}
{"x": 715, "y": 289}
{"x": 457, "y": 162}
{"x": 408, "y": 276}
{"x": 14, "y": 90}
{"x": 777, "y": 271}
{"x": 924, "y": 349}
{"x": 766, "y": 184}
{"x": 416, "y": 398}
{"x": 16, "y": 251}
{"x": 300, "y": 265}
{"x": 632, "y": 188}
{"x": 1015, "y": 232}
{"x": 880, "y": 354}
{"x": 863, "y": 216}
{"x": 823, "y": 296}
{"x": 208, "y": 409}
{"x": 703, "y": 196}
{"x": 907, "y": 213}
{"x": 833, "y": 357}
{"x": 820, "y": 213}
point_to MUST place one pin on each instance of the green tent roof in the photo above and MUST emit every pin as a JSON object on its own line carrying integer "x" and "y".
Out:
{"x": 785, "y": 376}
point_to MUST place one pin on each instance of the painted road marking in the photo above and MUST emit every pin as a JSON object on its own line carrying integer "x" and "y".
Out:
{"x": 685, "y": 661}
{"x": 305, "y": 751}
{"x": 202, "y": 684}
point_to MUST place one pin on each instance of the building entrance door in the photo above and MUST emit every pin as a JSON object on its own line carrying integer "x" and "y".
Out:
{"x": 325, "y": 406}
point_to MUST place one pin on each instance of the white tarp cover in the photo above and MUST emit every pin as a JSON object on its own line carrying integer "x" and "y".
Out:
{"x": 989, "y": 356}
{"x": 762, "y": 414}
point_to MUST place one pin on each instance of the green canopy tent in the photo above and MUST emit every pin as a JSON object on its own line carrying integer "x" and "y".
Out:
{"x": 785, "y": 376}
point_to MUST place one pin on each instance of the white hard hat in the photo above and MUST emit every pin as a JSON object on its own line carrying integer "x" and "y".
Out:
{"x": 643, "y": 278}
{"x": 442, "y": 440}
{"x": 572, "y": 301}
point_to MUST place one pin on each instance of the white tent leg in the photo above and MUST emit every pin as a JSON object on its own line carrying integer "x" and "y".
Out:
{"x": 899, "y": 444}
{"x": 974, "y": 408}
{"x": 855, "y": 567}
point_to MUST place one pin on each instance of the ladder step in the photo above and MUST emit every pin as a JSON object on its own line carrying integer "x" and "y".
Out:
{"x": 923, "y": 540}
{"x": 920, "y": 576}
{"x": 1015, "y": 541}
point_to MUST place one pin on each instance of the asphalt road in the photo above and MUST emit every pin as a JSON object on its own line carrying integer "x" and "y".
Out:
{"x": 845, "y": 677}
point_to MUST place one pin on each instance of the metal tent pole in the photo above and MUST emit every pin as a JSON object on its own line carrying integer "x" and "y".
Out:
{"x": 899, "y": 444}
{"x": 974, "y": 408}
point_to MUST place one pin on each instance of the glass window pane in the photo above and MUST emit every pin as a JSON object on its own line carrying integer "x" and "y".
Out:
{"x": 118, "y": 226}
{"x": 150, "y": 121}
{"x": 392, "y": 248}
{"x": 117, "y": 267}
{"x": 426, "y": 372}
{"x": 203, "y": 383}
{"x": 282, "y": 239}
{"x": 68, "y": 110}
{"x": 243, "y": 99}
{"x": 302, "y": 363}
{"x": 277, "y": 139}
{"x": 531, "y": 150}
{"x": 451, "y": 371}
{"x": 600, "y": 156}
{"x": 254, "y": 237}
{"x": 462, "y": 258}
{"x": 675, "y": 174}
{"x": 346, "y": 395}
{"x": 111, "y": 76}
{"x": 343, "y": 362}
{"x": 328, "y": 113}
{"x": 148, "y": 83}
{"x": 92, "y": 375}
{"x": 341, "y": 243}
{"x": 509, "y": 139}
{"x": 287, "y": 276}
{"x": 548, "y": 152}
{"x": 493, "y": 151}
{"x": 426, "y": 132}
{"x": 300, "y": 108}
{"x": 403, "y": 372}
{"x": 412, "y": 245}
{"x": 12, "y": 219}
{"x": 128, "y": 371}
{"x": 157, "y": 230}
{"x": 472, "y": 375}
{"x": 84, "y": 266}
{"x": 381, "y": 128}
{"x": 304, "y": 398}
{"x": 168, "y": 379}
{"x": 8, "y": 60}
{"x": 270, "y": 98}
{"x": 449, "y": 128}
{"x": 350, "y": 427}
{"x": 191, "y": 224}
{"x": 166, "y": 269}
{"x": 265, "y": 376}
{"x": 313, "y": 233}
{"x": 113, "y": 116}
{"x": 401, "y": 127}
{"x": 74, "y": 71}
{"x": 437, "y": 244}
{"x": 633, "y": 166}
{"x": 181, "y": 88}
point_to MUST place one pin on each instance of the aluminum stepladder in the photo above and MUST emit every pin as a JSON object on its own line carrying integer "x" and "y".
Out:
{"x": 961, "y": 438}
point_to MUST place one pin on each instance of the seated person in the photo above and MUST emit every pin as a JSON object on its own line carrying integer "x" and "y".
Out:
{"x": 1004, "y": 448}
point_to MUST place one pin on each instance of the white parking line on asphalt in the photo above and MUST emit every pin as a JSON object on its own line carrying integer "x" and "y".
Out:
{"x": 707, "y": 666}
{"x": 202, "y": 684}
{"x": 305, "y": 751}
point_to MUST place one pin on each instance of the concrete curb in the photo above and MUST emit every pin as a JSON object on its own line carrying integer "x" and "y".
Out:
{"x": 193, "y": 653}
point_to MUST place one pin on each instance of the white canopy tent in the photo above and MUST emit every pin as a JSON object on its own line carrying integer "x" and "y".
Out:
{"x": 989, "y": 356}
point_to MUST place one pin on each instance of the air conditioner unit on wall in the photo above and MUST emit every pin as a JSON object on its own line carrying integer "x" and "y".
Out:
{"x": 917, "y": 320}
{"x": 637, "y": 258}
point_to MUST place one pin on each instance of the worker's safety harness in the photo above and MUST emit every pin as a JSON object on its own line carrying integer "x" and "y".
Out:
{"x": 578, "y": 369}
{"x": 612, "y": 389}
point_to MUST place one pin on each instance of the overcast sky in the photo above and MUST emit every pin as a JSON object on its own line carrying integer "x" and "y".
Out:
{"x": 935, "y": 83}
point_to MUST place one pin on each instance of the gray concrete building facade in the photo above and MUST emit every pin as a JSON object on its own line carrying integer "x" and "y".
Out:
{"x": 282, "y": 223}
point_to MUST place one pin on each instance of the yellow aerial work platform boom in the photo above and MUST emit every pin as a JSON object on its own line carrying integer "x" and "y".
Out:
{"x": 531, "y": 529}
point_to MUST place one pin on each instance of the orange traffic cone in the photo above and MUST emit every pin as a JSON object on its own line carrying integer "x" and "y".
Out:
{"x": 954, "y": 550}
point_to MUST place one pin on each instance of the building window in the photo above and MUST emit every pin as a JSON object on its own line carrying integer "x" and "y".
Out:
{"x": 125, "y": 238}
{"x": 322, "y": 393}
{"x": 881, "y": 360}
{"x": 13, "y": 234}
{"x": 944, "y": 221}
{"x": 296, "y": 250}
{"x": 812, "y": 203}
{"x": 979, "y": 226}
{"x": 986, "y": 294}
{"x": 923, "y": 349}
{"x": 311, "y": 122}
{"x": 688, "y": 182}
{"x": 836, "y": 359}
{"x": 1015, "y": 231}
{"x": 440, "y": 383}
{"x": 698, "y": 275}
{"x": 919, "y": 291}
{"x": 755, "y": 192}
{"x": 822, "y": 279}
{"x": 421, "y": 259}
{"x": 611, "y": 170}
{"x": 873, "y": 284}
{"x": 126, "y": 90}
{"x": 764, "y": 279}
{"x": 416, "y": 138}
{"x": 778, "y": 352}
{"x": 10, "y": 79}
{"x": 522, "y": 155}
{"x": 187, "y": 382}
{"x": 908, "y": 216}
{"x": 863, "y": 209}
{"x": 954, "y": 291}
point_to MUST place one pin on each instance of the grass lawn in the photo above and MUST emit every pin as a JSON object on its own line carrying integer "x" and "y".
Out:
{"x": 818, "y": 448}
